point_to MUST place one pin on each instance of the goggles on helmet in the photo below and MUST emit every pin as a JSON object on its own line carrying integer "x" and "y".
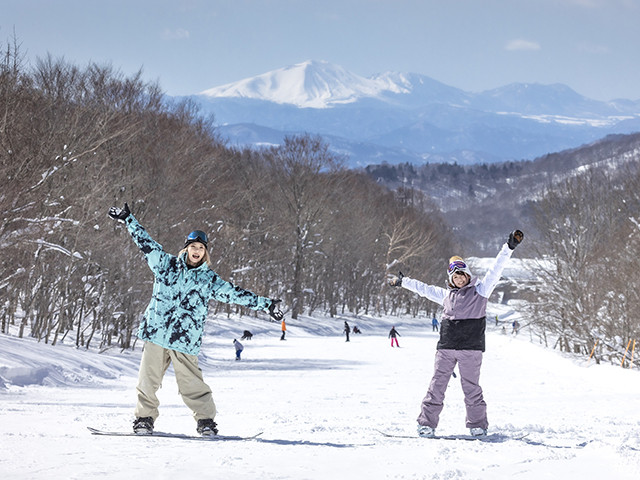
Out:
{"x": 197, "y": 236}
{"x": 457, "y": 266}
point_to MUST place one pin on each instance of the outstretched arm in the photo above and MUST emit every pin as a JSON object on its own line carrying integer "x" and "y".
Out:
{"x": 433, "y": 293}
{"x": 227, "y": 292}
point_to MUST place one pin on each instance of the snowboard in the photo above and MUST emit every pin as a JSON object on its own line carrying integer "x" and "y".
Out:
{"x": 492, "y": 438}
{"x": 181, "y": 436}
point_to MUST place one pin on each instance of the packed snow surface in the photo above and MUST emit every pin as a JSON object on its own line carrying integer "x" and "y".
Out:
{"x": 320, "y": 401}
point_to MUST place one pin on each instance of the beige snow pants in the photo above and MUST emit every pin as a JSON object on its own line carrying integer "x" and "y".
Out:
{"x": 195, "y": 393}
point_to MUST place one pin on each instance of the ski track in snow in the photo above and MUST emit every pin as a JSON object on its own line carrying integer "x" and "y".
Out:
{"x": 319, "y": 401}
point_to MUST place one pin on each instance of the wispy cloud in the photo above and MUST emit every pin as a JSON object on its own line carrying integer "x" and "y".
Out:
{"x": 522, "y": 45}
{"x": 178, "y": 34}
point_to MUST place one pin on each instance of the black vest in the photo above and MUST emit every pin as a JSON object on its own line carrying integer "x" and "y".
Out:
{"x": 462, "y": 334}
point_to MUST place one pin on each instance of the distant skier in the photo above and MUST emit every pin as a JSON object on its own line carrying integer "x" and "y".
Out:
{"x": 393, "y": 334}
{"x": 239, "y": 348}
{"x": 173, "y": 324}
{"x": 346, "y": 330}
{"x": 515, "y": 326}
{"x": 356, "y": 330}
{"x": 434, "y": 324}
{"x": 246, "y": 335}
{"x": 462, "y": 336}
{"x": 283, "y": 327}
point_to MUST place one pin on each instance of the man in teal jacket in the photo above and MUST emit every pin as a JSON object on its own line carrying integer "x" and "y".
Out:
{"x": 173, "y": 323}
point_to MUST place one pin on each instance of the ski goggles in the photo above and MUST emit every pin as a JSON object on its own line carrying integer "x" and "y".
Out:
{"x": 457, "y": 266}
{"x": 197, "y": 236}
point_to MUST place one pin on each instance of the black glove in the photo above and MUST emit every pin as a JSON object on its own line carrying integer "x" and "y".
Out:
{"x": 396, "y": 281}
{"x": 274, "y": 311}
{"x": 120, "y": 213}
{"x": 515, "y": 238}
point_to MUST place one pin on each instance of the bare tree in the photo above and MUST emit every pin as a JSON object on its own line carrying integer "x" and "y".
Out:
{"x": 302, "y": 172}
{"x": 578, "y": 222}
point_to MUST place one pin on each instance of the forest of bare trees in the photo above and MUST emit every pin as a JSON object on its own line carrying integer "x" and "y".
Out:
{"x": 587, "y": 254}
{"x": 287, "y": 221}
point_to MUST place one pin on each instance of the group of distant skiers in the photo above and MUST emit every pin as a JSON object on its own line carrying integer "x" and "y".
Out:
{"x": 173, "y": 325}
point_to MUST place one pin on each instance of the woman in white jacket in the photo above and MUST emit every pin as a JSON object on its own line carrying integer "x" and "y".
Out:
{"x": 462, "y": 336}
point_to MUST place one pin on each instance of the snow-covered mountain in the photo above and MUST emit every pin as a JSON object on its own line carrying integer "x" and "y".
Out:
{"x": 310, "y": 84}
{"x": 412, "y": 115}
{"x": 315, "y": 84}
{"x": 318, "y": 84}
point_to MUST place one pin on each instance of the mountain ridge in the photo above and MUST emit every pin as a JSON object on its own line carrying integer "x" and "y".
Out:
{"x": 410, "y": 115}
{"x": 320, "y": 84}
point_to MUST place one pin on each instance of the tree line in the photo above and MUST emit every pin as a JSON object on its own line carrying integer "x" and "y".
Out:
{"x": 287, "y": 221}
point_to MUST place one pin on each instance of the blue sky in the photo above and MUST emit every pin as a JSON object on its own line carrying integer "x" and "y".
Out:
{"x": 593, "y": 46}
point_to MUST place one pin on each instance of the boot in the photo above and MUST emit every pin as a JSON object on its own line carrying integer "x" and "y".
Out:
{"x": 207, "y": 427}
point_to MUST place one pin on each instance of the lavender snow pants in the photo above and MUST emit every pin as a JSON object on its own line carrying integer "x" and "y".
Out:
{"x": 469, "y": 363}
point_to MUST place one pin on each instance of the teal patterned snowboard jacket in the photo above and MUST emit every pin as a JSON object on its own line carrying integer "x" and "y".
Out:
{"x": 178, "y": 309}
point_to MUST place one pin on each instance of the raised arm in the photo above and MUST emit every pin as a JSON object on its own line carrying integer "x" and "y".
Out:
{"x": 156, "y": 257}
{"x": 488, "y": 283}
